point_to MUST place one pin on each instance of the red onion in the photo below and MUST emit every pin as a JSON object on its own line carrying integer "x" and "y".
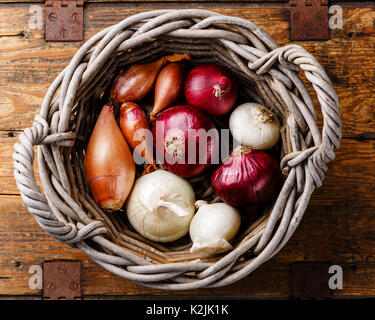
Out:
{"x": 182, "y": 150}
{"x": 247, "y": 177}
{"x": 211, "y": 88}
{"x": 250, "y": 212}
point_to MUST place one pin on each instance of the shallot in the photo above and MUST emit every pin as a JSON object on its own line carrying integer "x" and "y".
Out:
{"x": 168, "y": 87}
{"x": 136, "y": 82}
{"x": 135, "y": 127}
{"x": 109, "y": 165}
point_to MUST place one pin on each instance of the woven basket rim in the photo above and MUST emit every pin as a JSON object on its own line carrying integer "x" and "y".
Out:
{"x": 245, "y": 49}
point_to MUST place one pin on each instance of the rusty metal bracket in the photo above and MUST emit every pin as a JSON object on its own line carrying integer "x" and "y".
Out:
{"x": 309, "y": 20}
{"x": 310, "y": 280}
{"x": 62, "y": 280}
{"x": 64, "y": 20}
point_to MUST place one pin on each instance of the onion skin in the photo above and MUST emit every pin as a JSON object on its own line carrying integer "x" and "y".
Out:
{"x": 253, "y": 125}
{"x": 137, "y": 81}
{"x": 109, "y": 165}
{"x": 132, "y": 119}
{"x": 161, "y": 206}
{"x": 183, "y": 118}
{"x": 168, "y": 87}
{"x": 251, "y": 212}
{"x": 212, "y": 227}
{"x": 211, "y": 88}
{"x": 247, "y": 177}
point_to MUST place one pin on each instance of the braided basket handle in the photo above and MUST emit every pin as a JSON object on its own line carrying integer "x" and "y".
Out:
{"x": 304, "y": 113}
{"x": 318, "y": 155}
{"x": 54, "y": 224}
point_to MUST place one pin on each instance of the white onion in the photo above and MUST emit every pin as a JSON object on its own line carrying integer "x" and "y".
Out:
{"x": 212, "y": 227}
{"x": 254, "y": 126}
{"x": 161, "y": 206}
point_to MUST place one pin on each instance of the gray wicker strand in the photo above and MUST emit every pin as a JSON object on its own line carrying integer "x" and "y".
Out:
{"x": 269, "y": 75}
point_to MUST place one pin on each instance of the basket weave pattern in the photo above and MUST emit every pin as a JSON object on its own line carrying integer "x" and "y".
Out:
{"x": 268, "y": 75}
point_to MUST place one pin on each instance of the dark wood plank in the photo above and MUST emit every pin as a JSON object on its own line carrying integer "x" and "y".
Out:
{"x": 7, "y": 182}
{"x": 273, "y": 2}
{"x": 134, "y": 1}
{"x": 350, "y": 179}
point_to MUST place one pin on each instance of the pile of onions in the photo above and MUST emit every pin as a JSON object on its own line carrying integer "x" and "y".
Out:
{"x": 211, "y": 88}
{"x": 246, "y": 177}
{"x": 160, "y": 204}
{"x": 178, "y": 148}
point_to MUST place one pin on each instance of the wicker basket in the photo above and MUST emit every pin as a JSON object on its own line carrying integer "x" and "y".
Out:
{"x": 268, "y": 75}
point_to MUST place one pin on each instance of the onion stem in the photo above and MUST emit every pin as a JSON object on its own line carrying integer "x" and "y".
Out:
{"x": 174, "y": 146}
{"x": 266, "y": 116}
{"x": 240, "y": 150}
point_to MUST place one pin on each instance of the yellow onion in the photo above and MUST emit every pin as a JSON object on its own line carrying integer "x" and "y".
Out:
{"x": 137, "y": 81}
{"x": 161, "y": 206}
{"x": 109, "y": 165}
{"x": 168, "y": 86}
{"x": 254, "y": 126}
{"x": 212, "y": 227}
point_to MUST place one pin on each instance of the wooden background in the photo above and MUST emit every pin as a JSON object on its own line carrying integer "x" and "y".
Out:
{"x": 339, "y": 225}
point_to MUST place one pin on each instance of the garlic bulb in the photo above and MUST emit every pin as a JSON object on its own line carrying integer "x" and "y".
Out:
{"x": 161, "y": 206}
{"x": 254, "y": 126}
{"x": 212, "y": 227}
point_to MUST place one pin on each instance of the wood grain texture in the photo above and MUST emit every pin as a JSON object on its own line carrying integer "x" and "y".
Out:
{"x": 206, "y": 2}
{"x": 339, "y": 225}
{"x": 133, "y": 1}
{"x": 28, "y": 65}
